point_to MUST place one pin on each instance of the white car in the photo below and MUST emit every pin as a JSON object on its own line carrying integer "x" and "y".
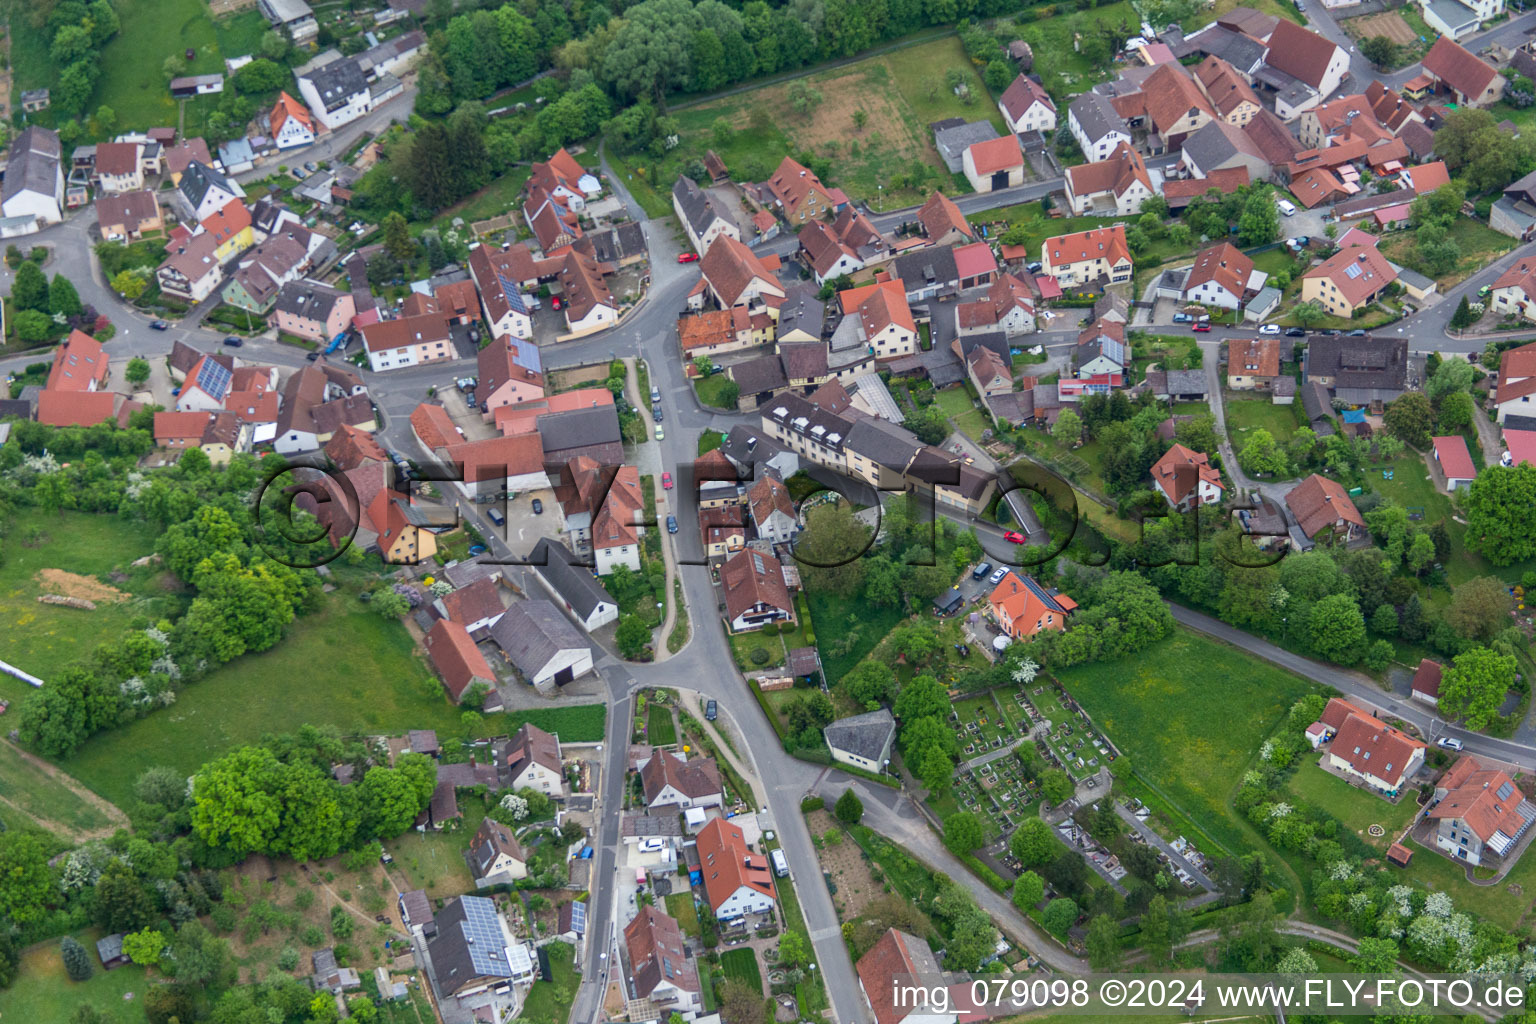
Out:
{"x": 1270, "y": 329}
{"x": 1449, "y": 743}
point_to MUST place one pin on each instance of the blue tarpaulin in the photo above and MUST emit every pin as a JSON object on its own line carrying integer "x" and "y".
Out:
{"x": 1354, "y": 415}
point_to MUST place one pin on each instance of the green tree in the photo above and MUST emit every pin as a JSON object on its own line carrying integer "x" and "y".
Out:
{"x": 871, "y": 681}
{"x": 1474, "y": 686}
{"x": 1409, "y": 418}
{"x": 1060, "y": 915}
{"x": 397, "y": 237}
{"x": 130, "y": 284}
{"x": 144, "y": 947}
{"x": 1379, "y": 50}
{"x": 27, "y": 886}
{"x": 63, "y": 300}
{"x": 237, "y": 801}
{"x": 804, "y": 98}
{"x": 1028, "y": 891}
{"x": 1261, "y": 454}
{"x": 77, "y": 962}
{"x": 1033, "y": 843}
{"x": 30, "y": 288}
{"x": 1156, "y": 937}
{"x": 1103, "y": 944}
{"x": 1375, "y": 956}
{"x": 1336, "y": 629}
{"x": 1455, "y": 374}
{"x": 1297, "y": 962}
{"x": 794, "y": 948}
{"x": 923, "y": 697}
{"x": 632, "y": 636}
{"x": 137, "y": 371}
{"x": 830, "y": 548}
{"x": 1056, "y": 786}
{"x": 32, "y": 325}
{"x": 1309, "y": 313}
{"x": 1455, "y": 412}
{"x": 1501, "y": 513}
{"x": 849, "y": 809}
{"x": 963, "y": 832}
{"x": 1068, "y": 428}
{"x": 1479, "y": 608}
{"x": 1260, "y": 220}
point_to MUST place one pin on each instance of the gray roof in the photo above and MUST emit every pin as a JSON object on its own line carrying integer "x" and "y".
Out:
{"x": 557, "y": 566}
{"x": 865, "y": 735}
{"x": 735, "y": 446}
{"x": 110, "y": 947}
{"x": 531, "y": 633}
{"x": 1242, "y": 52}
{"x": 997, "y": 341}
{"x": 1371, "y": 363}
{"x": 1186, "y": 382}
{"x": 283, "y": 11}
{"x": 1413, "y": 277}
{"x": 870, "y": 388}
{"x": 696, "y": 205}
{"x": 308, "y": 299}
{"x": 34, "y": 164}
{"x": 455, "y": 958}
{"x": 615, "y": 244}
{"x": 417, "y": 907}
{"x": 1525, "y": 188}
{"x": 802, "y": 417}
{"x": 883, "y": 443}
{"x": 338, "y": 82}
{"x": 927, "y": 267}
{"x": 803, "y": 310}
{"x": 1456, "y": 15}
{"x": 953, "y": 142}
{"x": 198, "y": 178}
{"x": 1212, "y": 145}
{"x": 580, "y": 428}
{"x": 643, "y": 826}
{"x": 754, "y": 376}
{"x": 1318, "y": 406}
{"x": 1096, "y": 116}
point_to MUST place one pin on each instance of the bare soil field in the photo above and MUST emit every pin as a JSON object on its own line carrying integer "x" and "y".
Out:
{"x": 844, "y": 861}
{"x": 1389, "y": 24}
{"x": 72, "y": 584}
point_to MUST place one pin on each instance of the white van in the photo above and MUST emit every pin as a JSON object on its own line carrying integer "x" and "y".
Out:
{"x": 780, "y": 864}
{"x": 1286, "y": 207}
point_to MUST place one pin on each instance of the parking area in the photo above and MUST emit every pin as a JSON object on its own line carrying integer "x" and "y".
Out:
{"x": 469, "y": 421}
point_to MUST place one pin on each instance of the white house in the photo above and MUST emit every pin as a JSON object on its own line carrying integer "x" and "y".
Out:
{"x": 700, "y": 217}
{"x": 901, "y": 955}
{"x": 1115, "y": 186}
{"x": 292, "y": 124}
{"x": 736, "y": 880}
{"x": 1517, "y": 382}
{"x": 661, "y": 966}
{"x": 542, "y": 644}
{"x": 337, "y": 93}
{"x": 571, "y": 585}
{"x": 772, "y": 510}
{"x": 673, "y": 780}
{"x": 1027, "y": 108}
{"x": 862, "y": 741}
{"x": 1186, "y": 478}
{"x": 495, "y": 857}
{"x": 1096, "y": 125}
{"x": 1219, "y": 276}
{"x": 532, "y": 761}
{"x": 994, "y": 164}
{"x": 34, "y": 178}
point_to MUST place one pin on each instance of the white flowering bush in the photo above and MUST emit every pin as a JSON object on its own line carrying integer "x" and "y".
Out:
{"x": 1024, "y": 671}
{"x": 515, "y": 806}
{"x": 1402, "y": 896}
{"x": 1438, "y": 904}
{"x": 1279, "y": 811}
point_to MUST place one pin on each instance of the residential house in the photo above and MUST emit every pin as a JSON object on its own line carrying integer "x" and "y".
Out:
{"x": 1482, "y": 815}
{"x": 1253, "y": 364}
{"x": 457, "y": 660}
{"x": 754, "y": 591}
{"x": 208, "y": 385}
{"x": 715, "y": 331}
{"x": 217, "y": 434}
{"x": 1514, "y": 293}
{"x": 293, "y": 17}
{"x": 1170, "y": 103}
{"x": 772, "y": 510}
{"x": 1302, "y": 67}
{"x": 494, "y": 856}
{"x": 1319, "y": 505}
{"x": 563, "y": 176}
{"x": 1026, "y": 107}
{"x": 1219, "y": 277}
{"x": 1219, "y": 146}
{"x": 722, "y": 530}
{"x": 881, "y": 320}
{"x": 264, "y": 270}
{"x": 1349, "y": 280}
{"x": 472, "y": 950}
{"x": 291, "y": 123}
{"x": 1370, "y": 370}
{"x": 1009, "y": 307}
{"x": 663, "y": 969}
{"x": 1365, "y": 748}
{"x": 501, "y": 276}
{"x": 176, "y": 159}
{"x": 671, "y": 779}
{"x": 1230, "y": 94}
{"x": 926, "y": 273}
{"x": 1116, "y": 186}
{"x": 203, "y": 191}
{"x": 798, "y": 193}
{"x": 403, "y": 528}
{"x": 118, "y": 168}
{"x": 1098, "y": 361}
{"x": 1186, "y": 478}
{"x": 953, "y": 136}
{"x": 313, "y": 409}
{"x": 582, "y": 285}
{"x": 33, "y": 189}
{"x": 1096, "y": 126}
{"x": 994, "y": 164}
{"x": 1087, "y": 257}
{"x": 408, "y": 341}
{"x": 735, "y": 276}
{"x": 899, "y": 954}
{"x": 495, "y": 464}
{"x": 1471, "y": 81}
{"x": 602, "y": 505}
{"x": 988, "y": 372}
{"x": 337, "y": 93}
{"x": 862, "y": 741}
{"x": 313, "y": 311}
{"x": 700, "y": 217}
{"x": 1425, "y": 685}
{"x": 532, "y": 760}
{"x": 33, "y": 101}
{"x": 1453, "y": 462}
{"x": 230, "y": 227}
{"x": 542, "y": 644}
{"x": 476, "y": 606}
{"x": 128, "y": 216}
{"x": 329, "y": 976}
{"x": 1022, "y": 607}
{"x": 511, "y": 372}
{"x": 942, "y": 222}
{"x": 79, "y": 364}
{"x": 736, "y": 880}
{"x": 1516, "y": 382}
{"x": 571, "y": 585}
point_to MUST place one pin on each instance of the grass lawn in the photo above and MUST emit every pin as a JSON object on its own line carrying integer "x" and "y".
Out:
{"x": 1151, "y": 707}
{"x": 681, "y": 909}
{"x": 497, "y": 198}
{"x": 741, "y": 965}
{"x": 709, "y": 440}
{"x": 1506, "y": 904}
{"x": 1480, "y": 245}
{"x": 44, "y": 638}
{"x": 30, "y": 796}
{"x": 1356, "y": 808}
{"x": 1063, "y": 70}
{"x": 580, "y": 723}
{"x": 43, "y": 992}
{"x": 549, "y": 1002}
{"x": 434, "y": 861}
{"x": 846, "y": 629}
{"x": 1245, "y": 415}
{"x": 711, "y": 390}
{"x": 743, "y": 645}
{"x": 1210, "y": 13}
{"x": 954, "y": 401}
{"x": 660, "y": 729}
{"x": 386, "y": 688}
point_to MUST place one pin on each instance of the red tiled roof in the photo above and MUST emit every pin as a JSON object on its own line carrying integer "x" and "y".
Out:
{"x": 456, "y": 657}
{"x": 227, "y": 223}
{"x": 1427, "y": 679}
{"x": 1299, "y": 53}
{"x": 286, "y": 107}
{"x": 1096, "y": 243}
{"x": 1317, "y": 503}
{"x": 434, "y": 426}
{"x": 1458, "y": 67}
{"x": 1254, "y": 357}
{"x": 1474, "y": 796}
{"x": 896, "y": 955}
{"x": 180, "y": 426}
{"x": 78, "y": 364}
{"x": 996, "y": 155}
{"x": 1374, "y": 273}
{"x": 1428, "y": 177}
{"x": 726, "y": 863}
{"x": 1021, "y": 95}
{"x": 1116, "y": 175}
{"x": 117, "y": 158}
{"x": 940, "y": 214}
{"x": 745, "y": 587}
{"x": 1173, "y": 473}
{"x": 1368, "y": 744}
{"x": 1223, "y": 264}
{"x": 496, "y": 457}
{"x": 76, "y": 408}
{"x": 1455, "y": 461}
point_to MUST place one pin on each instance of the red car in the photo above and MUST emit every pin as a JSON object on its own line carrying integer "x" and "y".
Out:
{"x": 687, "y": 257}
{"x": 555, "y": 302}
{"x": 1015, "y": 537}
{"x": 666, "y": 481}
{"x": 1201, "y": 327}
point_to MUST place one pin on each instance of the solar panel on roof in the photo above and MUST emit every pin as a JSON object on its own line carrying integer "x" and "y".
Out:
{"x": 514, "y": 297}
{"x": 757, "y": 563}
{"x": 527, "y": 356}
{"x": 214, "y": 378}
{"x": 1505, "y": 790}
{"x": 487, "y": 943}
{"x": 1353, "y": 270}
{"x": 579, "y": 918}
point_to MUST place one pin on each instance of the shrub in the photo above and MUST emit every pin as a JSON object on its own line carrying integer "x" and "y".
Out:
{"x": 759, "y": 656}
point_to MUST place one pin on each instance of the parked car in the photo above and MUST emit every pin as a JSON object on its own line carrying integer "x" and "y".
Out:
{"x": 1357, "y": 333}
{"x": 1182, "y": 318}
{"x": 159, "y": 325}
{"x": 711, "y": 710}
{"x": 687, "y": 257}
{"x": 1015, "y": 537}
{"x": 666, "y": 481}
{"x": 1329, "y": 332}
{"x": 495, "y": 516}
{"x": 554, "y": 302}
{"x": 1295, "y": 332}
{"x": 660, "y": 434}
{"x": 312, "y": 356}
{"x": 1202, "y": 327}
{"x": 1035, "y": 267}
{"x": 1482, "y": 292}
{"x": 656, "y": 413}
{"x": 981, "y": 570}
{"x": 538, "y": 507}
{"x": 671, "y": 524}
{"x": 311, "y": 167}
{"x": 655, "y": 394}
{"x": 1270, "y": 329}
{"x": 1449, "y": 743}
{"x": 233, "y": 342}
{"x": 998, "y": 574}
